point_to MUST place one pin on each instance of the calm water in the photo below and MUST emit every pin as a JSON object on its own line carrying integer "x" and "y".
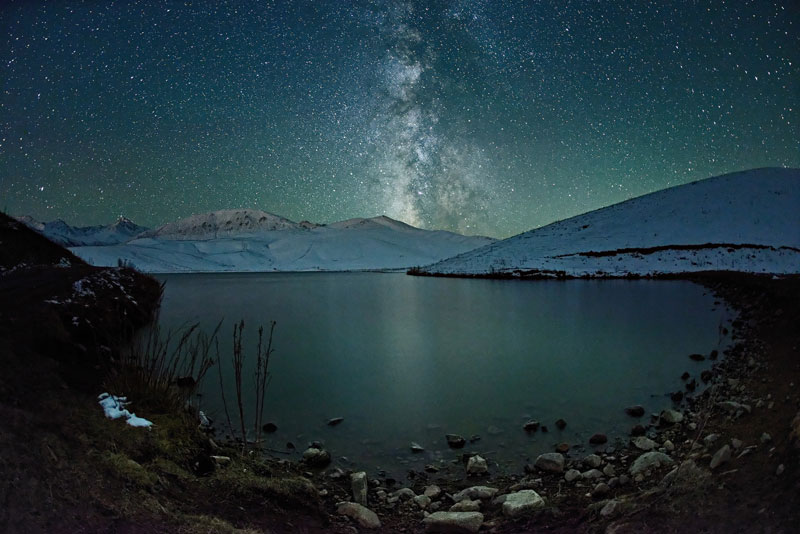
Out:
{"x": 406, "y": 359}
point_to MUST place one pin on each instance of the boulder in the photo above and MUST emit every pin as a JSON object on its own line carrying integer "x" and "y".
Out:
{"x": 467, "y": 505}
{"x": 433, "y": 491}
{"x": 670, "y": 417}
{"x": 361, "y": 514}
{"x": 592, "y": 461}
{"x": 315, "y": 457}
{"x": 476, "y": 465}
{"x": 358, "y": 483}
{"x": 598, "y": 439}
{"x": 643, "y": 443}
{"x": 475, "y": 492}
{"x": 600, "y": 490}
{"x": 453, "y": 522}
{"x": 722, "y": 456}
{"x": 649, "y": 460}
{"x": 404, "y": 494}
{"x": 522, "y": 502}
{"x": 572, "y": 474}
{"x": 423, "y": 501}
{"x": 552, "y": 462}
{"x": 591, "y": 474}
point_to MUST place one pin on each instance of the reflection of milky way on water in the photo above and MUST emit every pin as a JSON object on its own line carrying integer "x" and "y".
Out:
{"x": 405, "y": 359}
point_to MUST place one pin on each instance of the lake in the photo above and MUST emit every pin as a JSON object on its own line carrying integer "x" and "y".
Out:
{"x": 405, "y": 358}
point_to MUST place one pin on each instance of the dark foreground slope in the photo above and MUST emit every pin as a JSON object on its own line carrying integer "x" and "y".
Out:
{"x": 64, "y": 467}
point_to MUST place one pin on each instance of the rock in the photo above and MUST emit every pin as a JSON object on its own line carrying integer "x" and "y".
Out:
{"x": 562, "y": 448}
{"x": 335, "y": 474}
{"x": 572, "y": 474}
{"x": 358, "y": 483}
{"x": 736, "y": 443}
{"x": 765, "y": 438}
{"x": 669, "y": 446}
{"x": 692, "y": 385}
{"x": 685, "y": 375}
{"x": 315, "y": 457}
{"x": 723, "y": 455}
{"x": 561, "y": 424}
{"x": 611, "y": 508}
{"x": 779, "y": 471}
{"x": 416, "y": 447}
{"x": 531, "y": 426}
{"x": 467, "y": 505}
{"x": 433, "y": 491}
{"x": 423, "y": 501}
{"x": 453, "y": 522}
{"x": 794, "y": 431}
{"x": 676, "y": 397}
{"x": 592, "y": 460}
{"x": 643, "y": 443}
{"x": 454, "y": 441}
{"x": 335, "y": 421}
{"x": 362, "y": 515}
{"x": 494, "y": 431}
{"x": 733, "y": 407}
{"x": 635, "y": 411}
{"x": 706, "y": 376}
{"x": 476, "y": 465}
{"x": 601, "y": 490}
{"x": 609, "y": 471}
{"x": 710, "y": 439}
{"x": 269, "y": 428}
{"x": 592, "y": 474}
{"x": 522, "y": 502}
{"x": 598, "y": 439}
{"x": 697, "y": 357}
{"x": 670, "y": 417}
{"x": 476, "y": 492}
{"x": 624, "y": 480}
{"x": 552, "y": 462}
{"x": 474, "y": 438}
{"x": 404, "y": 494}
{"x": 430, "y": 468}
{"x": 638, "y": 430}
{"x": 649, "y": 460}
{"x": 221, "y": 460}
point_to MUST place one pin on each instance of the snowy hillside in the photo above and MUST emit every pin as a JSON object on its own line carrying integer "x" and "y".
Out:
{"x": 746, "y": 221}
{"x": 251, "y": 240}
{"x": 72, "y": 236}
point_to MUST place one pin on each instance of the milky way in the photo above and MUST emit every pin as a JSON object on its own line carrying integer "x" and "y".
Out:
{"x": 479, "y": 116}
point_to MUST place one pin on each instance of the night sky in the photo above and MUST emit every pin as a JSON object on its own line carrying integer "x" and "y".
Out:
{"x": 478, "y": 116}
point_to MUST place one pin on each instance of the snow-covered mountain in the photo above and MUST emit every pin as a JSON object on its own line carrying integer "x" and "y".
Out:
{"x": 72, "y": 236}
{"x": 746, "y": 221}
{"x": 252, "y": 240}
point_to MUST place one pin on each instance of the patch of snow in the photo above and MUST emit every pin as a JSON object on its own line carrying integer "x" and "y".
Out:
{"x": 114, "y": 408}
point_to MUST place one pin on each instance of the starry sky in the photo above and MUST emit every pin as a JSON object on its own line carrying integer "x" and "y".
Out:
{"x": 478, "y": 116}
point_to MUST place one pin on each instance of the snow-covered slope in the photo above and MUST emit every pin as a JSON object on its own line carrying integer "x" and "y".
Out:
{"x": 746, "y": 221}
{"x": 250, "y": 240}
{"x": 221, "y": 224}
{"x": 72, "y": 236}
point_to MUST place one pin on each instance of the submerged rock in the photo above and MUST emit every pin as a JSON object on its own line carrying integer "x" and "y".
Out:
{"x": 454, "y": 441}
{"x": 522, "y": 502}
{"x": 531, "y": 426}
{"x": 269, "y": 428}
{"x": 335, "y": 421}
{"x": 561, "y": 424}
{"x": 598, "y": 439}
{"x": 635, "y": 411}
{"x": 456, "y": 522}
{"x": 416, "y": 447}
